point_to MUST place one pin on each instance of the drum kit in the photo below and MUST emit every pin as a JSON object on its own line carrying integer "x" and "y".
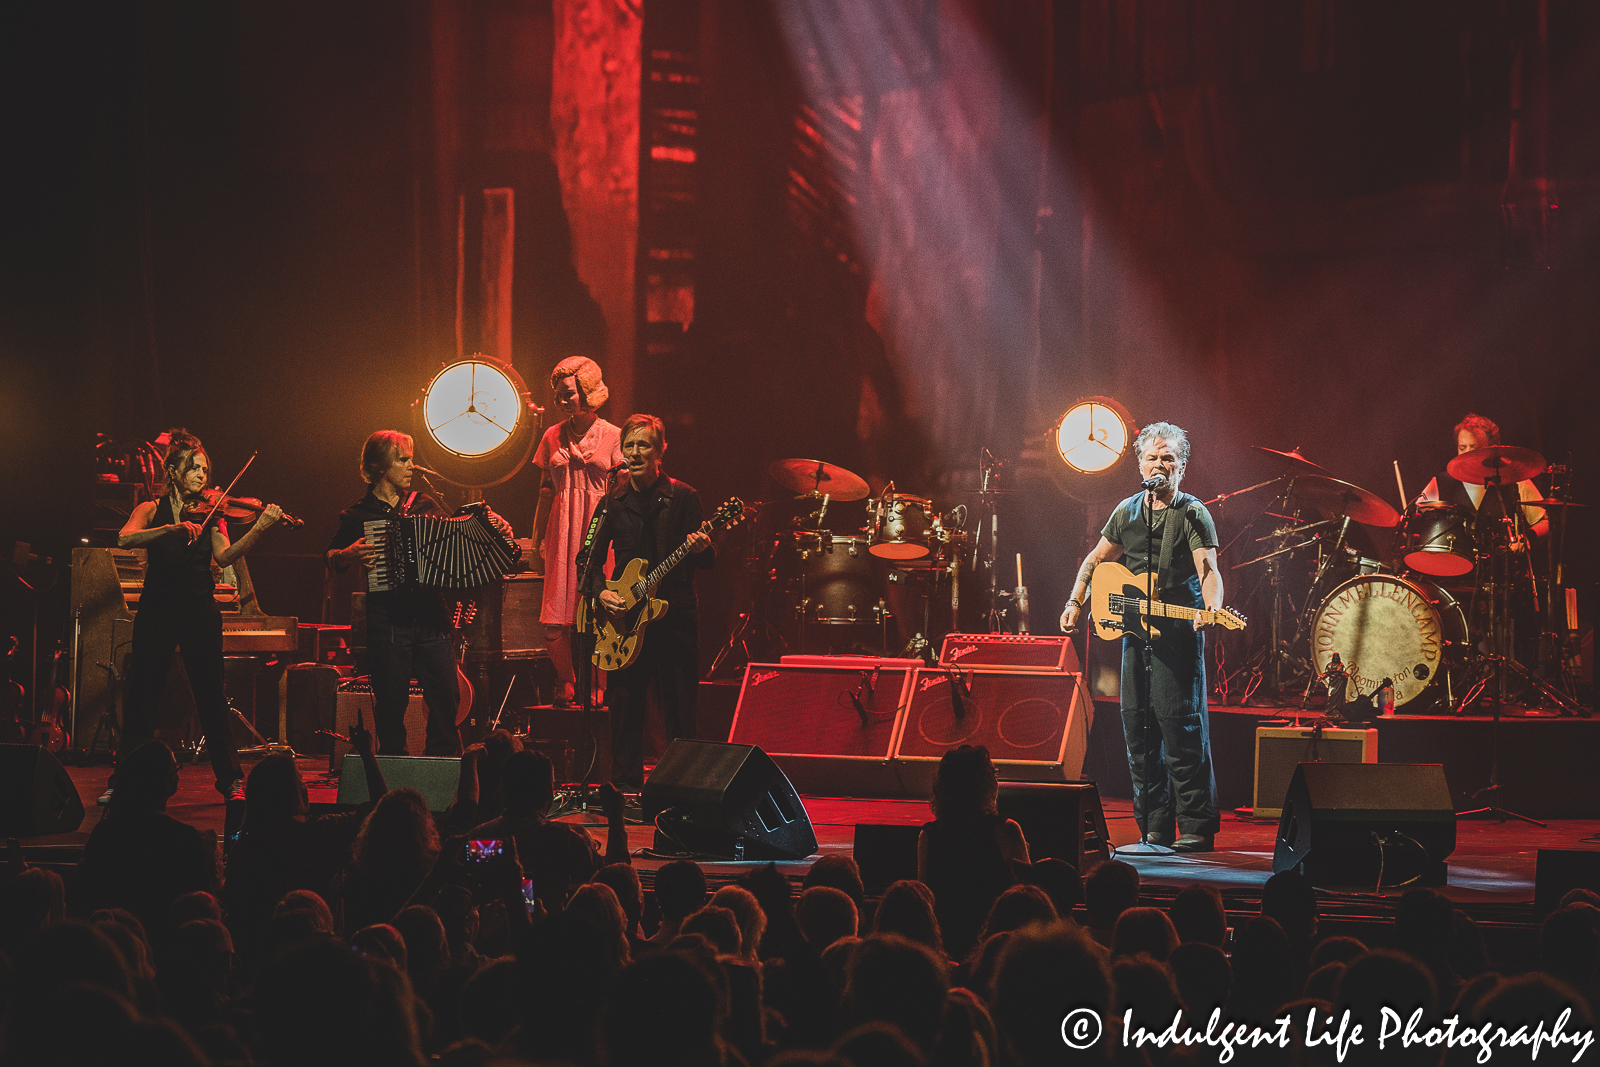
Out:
{"x": 889, "y": 577}
{"x": 1430, "y": 619}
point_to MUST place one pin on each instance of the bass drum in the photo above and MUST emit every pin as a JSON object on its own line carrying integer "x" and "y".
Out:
{"x": 839, "y": 602}
{"x": 1408, "y": 630}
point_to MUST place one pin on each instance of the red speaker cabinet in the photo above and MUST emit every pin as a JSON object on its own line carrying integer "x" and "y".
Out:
{"x": 1008, "y": 652}
{"x": 831, "y": 729}
{"x": 1036, "y": 726}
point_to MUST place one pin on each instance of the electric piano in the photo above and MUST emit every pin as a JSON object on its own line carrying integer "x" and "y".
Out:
{"x": 106, "y": 585}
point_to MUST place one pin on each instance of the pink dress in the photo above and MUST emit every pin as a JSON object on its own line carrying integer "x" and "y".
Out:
{"x": 579, "y": 473}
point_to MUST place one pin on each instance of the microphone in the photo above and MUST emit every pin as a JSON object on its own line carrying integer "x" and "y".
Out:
{"x": 872, "y": 683}
{"x": 619, "y": 468}
{"x": 426, "y": 470}
{"x": 1158, "y": 481}
{"x": 958, "y": 706}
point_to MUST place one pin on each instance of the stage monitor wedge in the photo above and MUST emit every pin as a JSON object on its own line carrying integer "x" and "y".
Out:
{"x": 1367, "y": 824}
{"x": 726, "y": 801}
{"x": 37, "y": 797}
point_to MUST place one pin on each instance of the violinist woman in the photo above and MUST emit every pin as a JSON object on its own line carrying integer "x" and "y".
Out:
{"x": 577, "y": 456}
{"x": 177, "y": 608}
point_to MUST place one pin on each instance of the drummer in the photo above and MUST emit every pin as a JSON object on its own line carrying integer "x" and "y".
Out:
{"x": 1472, "y": 433}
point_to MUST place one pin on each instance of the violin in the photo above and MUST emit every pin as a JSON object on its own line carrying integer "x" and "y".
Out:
{"x": 237, "y": 508}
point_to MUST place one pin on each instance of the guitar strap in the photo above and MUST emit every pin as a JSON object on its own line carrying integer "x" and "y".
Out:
{"x": 1177, "y": 525}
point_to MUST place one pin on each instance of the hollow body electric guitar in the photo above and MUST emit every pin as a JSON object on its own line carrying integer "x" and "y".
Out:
{"x": 1119, "y": 604}
{"x": 619, "y": 639}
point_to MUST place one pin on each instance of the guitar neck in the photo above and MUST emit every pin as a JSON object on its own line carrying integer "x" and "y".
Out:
{"x": 653, "y": 579}
{"x": 1162, "y": 610}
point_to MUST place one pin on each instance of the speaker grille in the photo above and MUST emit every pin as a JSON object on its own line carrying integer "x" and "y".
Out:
{"x": 1020, "y": 717}
{"x": 807, "y": 711}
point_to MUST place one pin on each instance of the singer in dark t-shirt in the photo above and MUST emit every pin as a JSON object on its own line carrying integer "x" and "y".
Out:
{"x": 1164, "y": 718}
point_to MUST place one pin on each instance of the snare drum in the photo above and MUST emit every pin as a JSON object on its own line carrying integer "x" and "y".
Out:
{"x": 900, "y": 526}
{"x": 844, "y": 585}
{"x": 1436, "y": 539}
{"x": 1405, "y": 629}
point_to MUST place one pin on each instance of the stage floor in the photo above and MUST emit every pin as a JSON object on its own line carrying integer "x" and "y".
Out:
{"x": 1491, "y": 872}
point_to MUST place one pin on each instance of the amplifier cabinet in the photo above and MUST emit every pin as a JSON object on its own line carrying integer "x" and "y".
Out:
{"x": 807, "y": 720}
{"x": 1279, "y": 750}
{"x": 1036, "y": 726}
{"x": 507, "y": 625}
{"x": 1009, "y": 652}
{"x": 355, "y": 697}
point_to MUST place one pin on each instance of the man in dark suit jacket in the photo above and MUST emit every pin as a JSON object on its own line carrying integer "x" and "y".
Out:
{"x": 648, "y": 517}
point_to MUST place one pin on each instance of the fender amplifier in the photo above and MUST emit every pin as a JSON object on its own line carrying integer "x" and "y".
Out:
{"x": 1008, "y": 652}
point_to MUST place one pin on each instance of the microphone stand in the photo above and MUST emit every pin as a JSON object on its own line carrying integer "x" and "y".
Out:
{"x": 1152, "y": 562}
{"x": 583, "y": 637}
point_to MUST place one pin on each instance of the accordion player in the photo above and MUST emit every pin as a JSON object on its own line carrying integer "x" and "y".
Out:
{"x": 463, "y": 552}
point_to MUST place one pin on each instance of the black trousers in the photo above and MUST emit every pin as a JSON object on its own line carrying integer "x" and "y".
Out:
{"x": 670, "y": 664}
{"x": 396, "y": 653}
{"x": 1168, "y": 732}
{"x": 160, "y": 627}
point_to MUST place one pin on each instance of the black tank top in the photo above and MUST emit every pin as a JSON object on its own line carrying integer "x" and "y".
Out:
{"x": 175, "y": 571}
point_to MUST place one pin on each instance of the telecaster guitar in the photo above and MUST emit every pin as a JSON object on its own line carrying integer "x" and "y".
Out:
{"x": 1119, "y": 605}
{"x": 619, "y": 640}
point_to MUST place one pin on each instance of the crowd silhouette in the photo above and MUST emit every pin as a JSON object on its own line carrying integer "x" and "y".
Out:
{"x": 382, "y": 937}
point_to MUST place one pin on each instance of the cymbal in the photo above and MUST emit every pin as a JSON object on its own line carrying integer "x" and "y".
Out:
{"x": 1509, "y": 463}
{"x": 1551, "y": 504}
{"x": 813, "y": 475}
{"x": 1334, "y": 497}
{"x": 1295, "y": 459}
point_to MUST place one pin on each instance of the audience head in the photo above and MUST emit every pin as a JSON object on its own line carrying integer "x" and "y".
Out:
{"x": 826, "y": 914}
{"x": 717, "y": 925}
{"x": 1336, "y": 949}
{"x": 1579, "y": 895}
{"x": 1197, "y": 914}
{"x": 1145, "y": 931}
{"x": 623, "y": 879}
{"x": 1323, "y": 982}
{"x": 892, "y": 979}
{"x": 458, "y": 914}
{"x": 1016, "y": 908}
{"x": 1469, "y": 954}
{"x": 878, "y": 1044}
{"x": 839, "y": 871}
{"x": 1289, "y": 898}
{"x": 528, "y": 782}
{"x": 966, "y": 785}
{"x": 311, "y": 903}
{"x": 274, "y": 792}
{"x": 1203, "y": 976}
{"x": 747, "y": 910}
{"x": 1385, "y": 978}
{"x": 1044, "y": 973}
{"x": 380, "y": 941}
{"x": 1569, "y": 944}
{"x": 146, "y": 777}
{"x": 1058, "y": 878}
{"x": 662, "y": 1010}
{"x": 599, "y": 904}
{"x": 1424, "y": 924}
{"x": 493, "y": 1000}
{"x": 398, "y": 835}
{"x": 1111, "y": 889}
{"x": 29, "y": 902}
{"x": 907, "y": 909}
{"x": 427, "y": 948}
{"x": 321, "y": 1005}
{"x": 1145, "y": 986}
{"x": 680, "y": 889}
{"x": 1263, "y": 967}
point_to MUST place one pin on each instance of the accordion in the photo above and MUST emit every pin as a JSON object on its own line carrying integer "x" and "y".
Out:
{"x": 458, "y": 553}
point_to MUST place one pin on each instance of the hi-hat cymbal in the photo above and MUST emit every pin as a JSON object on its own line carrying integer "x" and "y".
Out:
{"x": 1551, "y": 504}
{"x": 1333, "y": 497}
{"x": 1508, "y": 463}
{"x": 813, "y": 475}
{"x": 1296, "y": 460}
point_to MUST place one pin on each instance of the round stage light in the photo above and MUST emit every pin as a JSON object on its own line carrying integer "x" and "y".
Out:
{"x": 472, "y": 408}
{"x": 475, "y": 423}
{"x": 1092, "y": 435}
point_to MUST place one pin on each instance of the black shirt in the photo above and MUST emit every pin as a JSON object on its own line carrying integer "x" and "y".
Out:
{"x": 651, "y": 525}
{"x": 176, "y": 570}
{"x": 1126, "y": 527}
{"x": 411, "y": 604}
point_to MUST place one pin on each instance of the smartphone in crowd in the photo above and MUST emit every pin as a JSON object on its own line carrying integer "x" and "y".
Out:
{"x": 484, "y": 851}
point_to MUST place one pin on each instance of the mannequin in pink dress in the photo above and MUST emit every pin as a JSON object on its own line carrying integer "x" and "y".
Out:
{"x": 576, "y": 455}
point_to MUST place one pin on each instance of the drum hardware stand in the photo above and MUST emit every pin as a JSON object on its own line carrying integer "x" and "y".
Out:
{"x": 989, "y": 466}
{"x": 1489, "y": 795}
